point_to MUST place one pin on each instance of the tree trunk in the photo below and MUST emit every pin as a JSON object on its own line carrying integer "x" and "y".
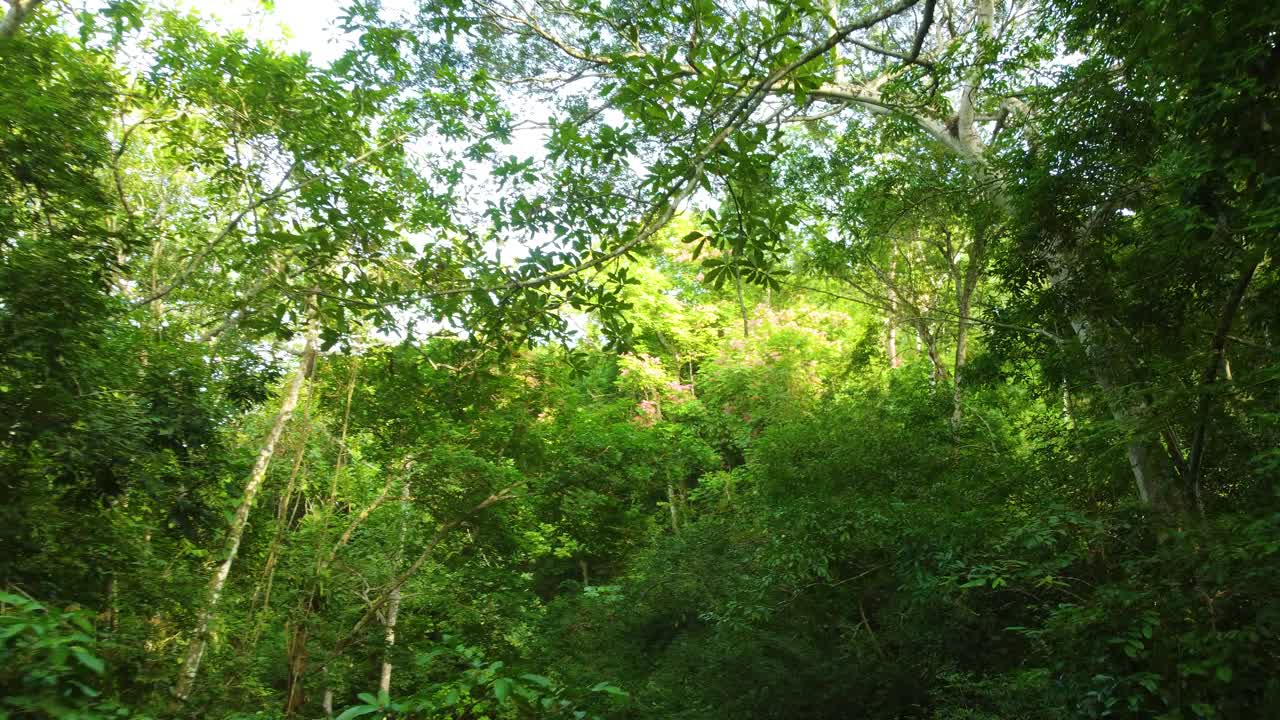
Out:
{"x": 393, "y": 604}
{"x": 312, "y": 603}
{"x": 18, "y": 11}
{"x": 1151, "y": 477}
{"x": 671, "y": 506}
{"x": 190, "y": 669}
{"x": 295, "y": 650}
{"x": 940, "y": 373}
{"x": 964, "y": 304}
{"x": 296, "y": 657}
{"x": 282, "y": 522}
{"x": 1217, "y": 359}
{"x": 396, "y": 583}
{"x": 891, "y": 319}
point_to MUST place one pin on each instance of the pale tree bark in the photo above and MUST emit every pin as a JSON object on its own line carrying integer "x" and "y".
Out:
{"x": 966, "y": 111}
{"x": 399, "y": 580}
{"x": 671, "y": 506}
{"x": 190, "y": 669}
{"x": 297, "y": 633}
{"x": 891, "y": 317}
{"x": 297, "y": 648}
{"x": 283, "y": 514}
{"x": 923, "y": 332}
{"x": 966, "y": 284}
{"x": 18, "y": 11}
{"x": 891, "y": 344}
{"x": 902, "y": 303}
{"x": 1150, "y": 476}
{"x": 393, "y": 604}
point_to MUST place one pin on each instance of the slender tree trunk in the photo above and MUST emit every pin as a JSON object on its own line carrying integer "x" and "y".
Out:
{"x": 296, "y": 648}
{"x": 393, "y": 604}
{"x": 298, "y": 652}
{"x": 891, "y": 346}
{"x": 190, "y": 669}
{"x": 891, "y": 319}
{"x": 282, "y": 522}
{"x": 964, "y": 304}
{"x": 1149, "y": 474}
{"x": 1217, "y": 359}
{"x": 962, "y": 349}
{"x": 671, "y": 506}
{"x": 396, "y": 583}
{"x": 940, "y": 373}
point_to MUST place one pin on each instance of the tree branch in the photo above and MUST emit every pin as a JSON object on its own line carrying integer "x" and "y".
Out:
{"x": 18, "y": 11}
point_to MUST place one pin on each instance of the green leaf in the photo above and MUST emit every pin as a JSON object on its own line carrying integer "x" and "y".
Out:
{"x": 89, "y": 660}
{"x": 90, "y": 692}
{"x": 502, "y": 689}
{"x": 537, "y": 679}
{"x": 356, "y": 711}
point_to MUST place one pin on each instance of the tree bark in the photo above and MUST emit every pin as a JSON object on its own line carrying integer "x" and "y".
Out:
{"x": 296, "y": 648}
{"x": 940, "y": 373}
{"x": 1150, "y": 476}
{"x": 282, "y": 522}
{"x": 393, "y": 604}
{"x": 18, "y": 11}
{"x": 964, "y": 304}
{"x": 1217, "y": 359}
{"x": 190, "y": 669}
{"x": 671, "y": 506}
{"x": 312, "y": 603}
{"x": 396, "y": 583}
{"x": 891, "y": 318}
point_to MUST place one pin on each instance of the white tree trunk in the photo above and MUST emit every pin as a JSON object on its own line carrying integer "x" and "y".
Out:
{"x": 1148, "y": 474}
{"x": 18, "y": 11}
{"x": 891, "y": 346}
{"x": 393, "y": 604}
{"x": 966, "y": 285}
{"x": 190, "y": 669}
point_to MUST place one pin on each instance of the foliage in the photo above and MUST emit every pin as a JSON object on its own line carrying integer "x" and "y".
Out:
{"x": 51, "y": 661}
{"x": 576, "y": 359}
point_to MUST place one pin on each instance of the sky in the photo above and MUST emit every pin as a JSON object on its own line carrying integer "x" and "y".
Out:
{"x": 294, "y": 25}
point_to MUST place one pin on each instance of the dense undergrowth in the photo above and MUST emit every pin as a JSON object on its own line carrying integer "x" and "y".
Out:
{"x": 930, "y": 376}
